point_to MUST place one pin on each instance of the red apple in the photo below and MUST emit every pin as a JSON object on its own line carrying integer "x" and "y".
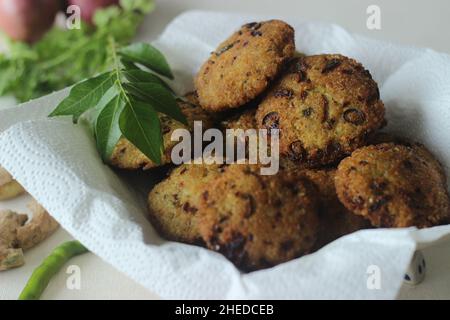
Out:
{"x": 27, "y": 20}
{"x": 88, "y": 7}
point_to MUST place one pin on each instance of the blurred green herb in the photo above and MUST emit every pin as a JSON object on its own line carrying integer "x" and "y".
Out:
{"x": 64, "y": 57}
{"x": 127, "y": 100}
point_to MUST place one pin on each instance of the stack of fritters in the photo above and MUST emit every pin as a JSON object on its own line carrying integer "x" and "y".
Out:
{"x": 337, "y": 174}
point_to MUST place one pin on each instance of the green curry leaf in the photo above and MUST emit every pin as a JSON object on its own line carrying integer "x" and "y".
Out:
{"x": 148, "y": 56}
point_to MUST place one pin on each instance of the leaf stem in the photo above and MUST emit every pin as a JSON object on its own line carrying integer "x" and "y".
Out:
{"x": 116, "y": 67}
{"x": 122, "y": 92}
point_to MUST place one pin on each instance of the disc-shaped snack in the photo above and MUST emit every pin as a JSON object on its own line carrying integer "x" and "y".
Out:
{"x": 394, "y": 185}
{"x": 384, "y": 137}
{"x": 174, "y": 202}
{"x": 243, "y": 66}
{"x": 335, "y": 220}
{"x": 258, "y": 221}
{"x": 127, "y": 156}
{"x": 325, "y": 106}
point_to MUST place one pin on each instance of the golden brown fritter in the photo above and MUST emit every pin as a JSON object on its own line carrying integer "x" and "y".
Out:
{"x": 325, "y": 106}
{"x": 394, "y": 185}
{"x": 258, "y": 221}
{"x": 243, "y": 66}
{"x": 384, "y": 137}
{"x": 335, "y": 220}
{"x": 127, "y": 156}
{"x": 174, "y": 202}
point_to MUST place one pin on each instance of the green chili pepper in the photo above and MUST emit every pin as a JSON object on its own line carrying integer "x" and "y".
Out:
{"x": 41, "y": 277}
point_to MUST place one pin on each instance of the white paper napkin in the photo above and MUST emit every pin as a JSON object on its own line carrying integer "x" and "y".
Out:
{"x": 58, "y": 164}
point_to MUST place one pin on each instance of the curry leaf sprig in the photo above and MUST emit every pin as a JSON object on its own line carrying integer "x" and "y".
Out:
{"x": 127, "y": 100}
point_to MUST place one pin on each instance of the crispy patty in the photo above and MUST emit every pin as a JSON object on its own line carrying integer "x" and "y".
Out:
{"x": 394, "y": 185}
{"x": 258, "y": 221}
{"x": 325, "y": 106}
{"x": 127, "y": 156}
{"x": 174, "y": 203}
{"x": 243, "y": 66}
{"x": 385, "y": 137}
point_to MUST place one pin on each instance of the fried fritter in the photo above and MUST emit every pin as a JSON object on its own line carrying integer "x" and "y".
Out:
{"x": 127, "y": 156}
{"x": 394, "y": 185}
{"x": 258, "y": 221}
{"x": 244, "y": 65}
{"x": 174, "y": 202}
{"x": 325, "y": 106}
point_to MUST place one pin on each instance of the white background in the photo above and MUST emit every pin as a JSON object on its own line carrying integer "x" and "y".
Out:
{"x": 410, "y": 22}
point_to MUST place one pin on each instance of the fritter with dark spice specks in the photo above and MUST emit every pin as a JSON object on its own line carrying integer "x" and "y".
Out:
{"x": 258, "y": 221}
{"x": 325, "y": 106}
{"x": 394, "y": 185}
{"x": 244, "y": 65}
{"x": 127, "y": 156}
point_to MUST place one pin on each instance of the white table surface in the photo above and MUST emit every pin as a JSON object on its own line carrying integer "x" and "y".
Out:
{"x": 411, "y": 22}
